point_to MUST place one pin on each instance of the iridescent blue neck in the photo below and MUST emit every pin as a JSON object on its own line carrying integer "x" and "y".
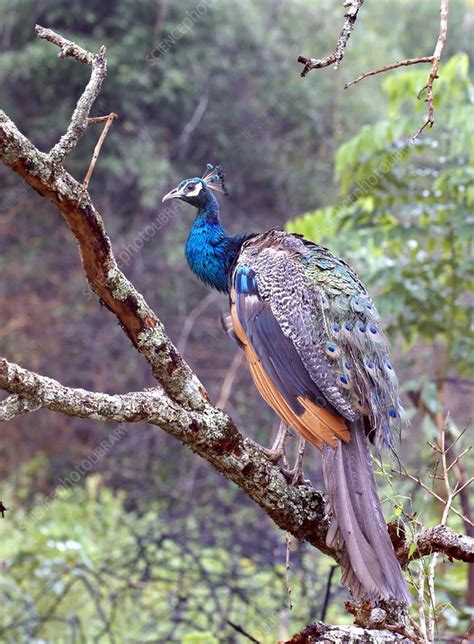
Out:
{"x": 210, "y": 251}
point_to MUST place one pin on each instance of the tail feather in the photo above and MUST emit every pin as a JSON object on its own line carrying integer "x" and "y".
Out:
{"x": 368, "y": 562}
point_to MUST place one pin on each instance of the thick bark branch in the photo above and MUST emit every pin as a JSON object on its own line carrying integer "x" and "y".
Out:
{"x": 320, "y": 632}
{"x": 14, "y": 406}
{"x": 41, "y": 391}
{"x": 220, "y": 444}
{"x": 208, "y": 432}
{"x": 442, "y": 539}
{"x": 106, "y": 280}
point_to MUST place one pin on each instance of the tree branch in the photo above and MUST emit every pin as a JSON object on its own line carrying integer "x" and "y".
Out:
{"x": 387, "y": 68}
{"x": 443, "y": 30}
{"x": 337, "y": 55}
{"x": 106, "y": 280}
{"x": 433, "y": 75}
{"x": 79, "y": 119}
{"x": 440, "y": 539}
{"x": 14, "y": 406}
{"x": 33, "y": 391}
{"x": 321, "y": 632}
{"x": 208, "y": 432}
{"x": 108, "y": 122}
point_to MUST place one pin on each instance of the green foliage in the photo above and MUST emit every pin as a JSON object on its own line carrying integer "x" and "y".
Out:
{"x": 411, "y": 207}
{"x": 82, "y": 566}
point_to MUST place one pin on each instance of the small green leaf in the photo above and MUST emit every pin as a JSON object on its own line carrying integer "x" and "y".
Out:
{"x": 411, "y": 550}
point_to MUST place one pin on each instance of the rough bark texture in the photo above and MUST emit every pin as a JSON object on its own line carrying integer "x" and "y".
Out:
{"x": 440, "y": 538}
{"x": 321, "y": 632}
{"x": 178, "y": 404}
{"x": 352, "y": 9}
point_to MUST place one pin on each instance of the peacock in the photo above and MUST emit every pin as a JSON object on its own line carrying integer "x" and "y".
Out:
{"x": 318, "y": 356}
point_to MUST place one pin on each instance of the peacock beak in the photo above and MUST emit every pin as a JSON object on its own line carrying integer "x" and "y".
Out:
{"x": 172, "y": 194}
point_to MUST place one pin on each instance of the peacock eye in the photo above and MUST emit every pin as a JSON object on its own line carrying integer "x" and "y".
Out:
{"x": 190, "y": 186}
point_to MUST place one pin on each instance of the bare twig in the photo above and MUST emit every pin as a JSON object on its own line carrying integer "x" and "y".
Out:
{"x": 458, "y": 489}
{"x": 453, "y": 545}
{"x": 456, "y": 464}
{"x": 327, "y": 593}
{"x": 95, "y": 156}
{"x": 443, "y": 30}
{"x": 433, "y": 75}
{"x": 416, "y": 479}
{"x": 458, "y": 457}
{"x": 195, "y": 118}
{"x": 93, "y": 120}
{"x": 242, "y": 631}
{"x": 337, "y": 55}
{"x": 190, "y": 320}
{"x": 421, "y": 599}
{"x": 79, "y": 119}
{"x": 387, "y": 68}
{"x": 287, "y": 569}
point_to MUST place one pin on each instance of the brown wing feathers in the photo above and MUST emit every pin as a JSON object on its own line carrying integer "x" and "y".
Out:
{"x": 280, "y": 375}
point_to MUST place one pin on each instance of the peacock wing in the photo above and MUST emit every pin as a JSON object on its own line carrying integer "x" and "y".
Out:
{"x": 277, "y": 368}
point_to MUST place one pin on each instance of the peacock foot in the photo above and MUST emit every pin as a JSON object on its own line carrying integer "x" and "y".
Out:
{"x": 295, "y": 475}
{"x": 277, "y": 451}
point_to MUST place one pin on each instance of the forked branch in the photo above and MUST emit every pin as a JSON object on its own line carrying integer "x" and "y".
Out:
{"x": 79, "y": 119}
{"x": 335, "y": 58}
{"x": 433, "y": 75}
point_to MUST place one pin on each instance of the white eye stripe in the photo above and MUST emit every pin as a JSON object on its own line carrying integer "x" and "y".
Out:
{"x": 195, "y": 192}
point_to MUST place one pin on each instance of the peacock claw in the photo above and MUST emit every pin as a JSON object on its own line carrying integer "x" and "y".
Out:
{"x": 295, "y": 478}
{"x": 295, "y": 475}
{"x": 277, "y": 451}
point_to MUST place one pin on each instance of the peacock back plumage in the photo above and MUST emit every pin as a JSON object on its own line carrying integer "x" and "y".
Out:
{"x": 323, "y": 308}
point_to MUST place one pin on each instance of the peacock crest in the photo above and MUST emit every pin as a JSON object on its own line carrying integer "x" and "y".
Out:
{"x": 214, "y": 178}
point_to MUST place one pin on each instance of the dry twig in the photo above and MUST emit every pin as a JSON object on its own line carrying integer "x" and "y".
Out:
{"x": 433, "y": 75}
{"x": 79, "y": 119}
{"x": 443, "y": 30}
{"x": 108, "y": 122}
{"x": 387, "y": 68}
{"x": 337, "y": 55}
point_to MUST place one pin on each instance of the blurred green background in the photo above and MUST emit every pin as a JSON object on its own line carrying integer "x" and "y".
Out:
{"x": 133, "y": 538}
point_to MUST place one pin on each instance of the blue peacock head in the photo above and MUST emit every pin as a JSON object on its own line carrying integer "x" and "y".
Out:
{"x": 197, "y": 191}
